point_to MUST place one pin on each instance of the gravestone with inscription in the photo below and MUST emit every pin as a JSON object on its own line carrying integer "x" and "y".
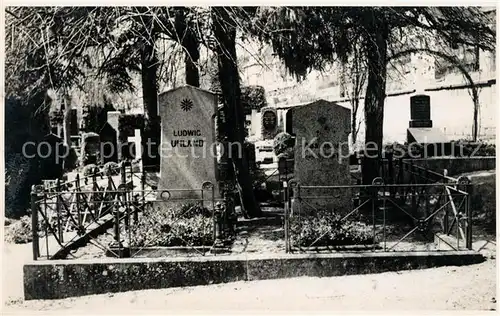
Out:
{"x": 321, "y": 131}
{"x": 420, "y": 111}
{"x": 269, "y": 123}
{"x": 188, "y": 141}
{"x": 91, "y": 146}
{"x": 432, "y": 140}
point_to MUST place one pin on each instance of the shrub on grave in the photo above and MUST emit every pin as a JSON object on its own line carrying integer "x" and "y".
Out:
{"x": 328, "y": 230}
{"x": 111, "y": 168}
{"x": 463, "y": 147}
{"x": 283, "y": 145}
{"x": 89, "y": 170}
{"x": 483, "y": 203}
{"x": 19, "y": 232}
{"x": 188, "y": 225}
{"x": 477, "y": 149}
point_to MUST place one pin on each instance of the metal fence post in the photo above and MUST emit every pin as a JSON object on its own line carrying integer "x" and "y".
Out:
{"x": 445, "y": 220}
{"x": 58, "y": 211}
{"x": 469, "y": 216}
{"x": 287, "y": 234}
{"x": 77, "y": 197}
{"x": 117, "y": 224}
{"x": 123, "y": 173}
{"x": 34, "y": 223}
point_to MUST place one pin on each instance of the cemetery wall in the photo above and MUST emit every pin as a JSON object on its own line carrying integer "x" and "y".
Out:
{"x": 457, "y": 165}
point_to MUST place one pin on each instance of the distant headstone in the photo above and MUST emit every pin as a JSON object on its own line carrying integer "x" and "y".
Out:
{"x": 188, "y": 139}
{"x": 137, "y": 141}
{"x": 421, "y": 132}
{"x": 269, "y": 118}
{"x": 90, "y": 151}
{"x": 73, "y": 127}
{"x": 420, "y": 111}
{"x": 109, "y": 140}
{"x": 52, "y": 155}
{"x": 113, "y": 119}
{"x": 321, "y": 153}
{"x": 288, "y": 122}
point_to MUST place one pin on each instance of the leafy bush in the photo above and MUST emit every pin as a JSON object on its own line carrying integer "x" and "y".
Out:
{"x": 477, "y": 149}
{"x": 306, "y": 229}
{"x": 189, "y": 225}
{"x": 253, "y": 98}
{"x": 89, "y": 170}
{"x": 19, "y": 232}
{"x": 483, "y": 203}
{"x": 283, "y": 145}
{"x": 464, "y": 148}
{"x": 20, "y": 172}
{"x": 111, "y": 168}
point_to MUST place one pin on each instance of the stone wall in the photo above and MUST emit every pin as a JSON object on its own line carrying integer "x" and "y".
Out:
{"x": 457, "y": 165}
{"x": 56, "y": 280}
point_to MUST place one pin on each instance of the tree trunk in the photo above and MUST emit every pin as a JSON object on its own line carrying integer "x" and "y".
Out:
{"x": 191, "y": 48}
{"x": 375, "y": 96}
{"x": 225, "y": 35}
{"x": 475, "y": 100}
{"x": 354, "y": 121}
{"x": 149, "y": 63}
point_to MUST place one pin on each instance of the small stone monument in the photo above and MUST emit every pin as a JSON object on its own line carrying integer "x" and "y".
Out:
{"x": 137, "y": 141}
{"x": 113, "y": 119}
{"x": 420, "y": 111}
{"x": 52, "y": 156}
{"x": 109, "y": 144}
{"x": 321, "y": 131}
{"x": 421, "y": 132}
{"x": 269, "y": 119}
{"x": 188, "y": 141}
{"x": 90, "y": 152}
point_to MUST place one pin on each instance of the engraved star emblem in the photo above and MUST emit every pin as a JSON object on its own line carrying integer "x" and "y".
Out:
{"x": 186, "y": 105}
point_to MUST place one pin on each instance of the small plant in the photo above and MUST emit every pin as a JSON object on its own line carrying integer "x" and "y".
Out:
{"x": 19, "y": 232}
{"x": 189, "y": 225}
{"x": 111, "y": 168}
{"x": 89, "y": 170}
{"x": 283, "y": 145}
{"x": 323, "y": 229}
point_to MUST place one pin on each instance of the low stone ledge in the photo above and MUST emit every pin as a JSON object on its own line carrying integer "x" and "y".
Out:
{"x": 67, "y": 278}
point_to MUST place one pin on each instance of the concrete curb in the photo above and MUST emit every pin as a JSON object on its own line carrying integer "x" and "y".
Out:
{"x": 68, "y": 278}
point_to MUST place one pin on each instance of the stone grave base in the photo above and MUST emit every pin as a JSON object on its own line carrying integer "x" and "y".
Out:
{"x": 69, "y": 278}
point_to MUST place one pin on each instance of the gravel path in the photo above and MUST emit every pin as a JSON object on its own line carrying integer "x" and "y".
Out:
{"x": 453, "y": 288}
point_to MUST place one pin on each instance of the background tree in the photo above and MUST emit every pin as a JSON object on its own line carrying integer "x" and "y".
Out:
{"x": 353, "y": 81}
{"x": 224, "y": 32}
{"x": 332, "y": 32}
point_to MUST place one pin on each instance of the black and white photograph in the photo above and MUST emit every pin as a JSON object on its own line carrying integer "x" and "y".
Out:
{"x": 242, "y": 158}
